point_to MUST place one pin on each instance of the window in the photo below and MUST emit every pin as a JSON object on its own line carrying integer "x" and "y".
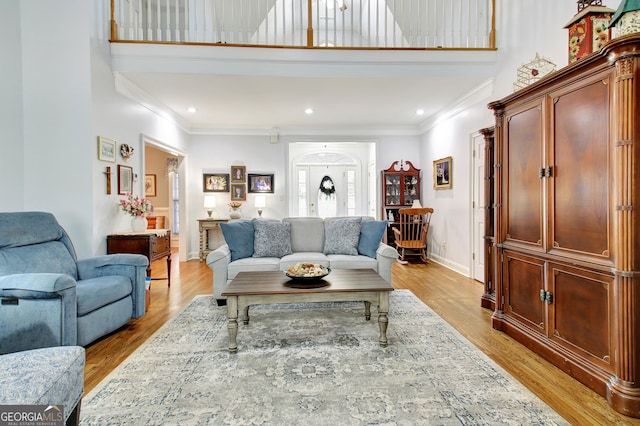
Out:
{"x": 175, "y": 199}
{"x": 302, "y": 193}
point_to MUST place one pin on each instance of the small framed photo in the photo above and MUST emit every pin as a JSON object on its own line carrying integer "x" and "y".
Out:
{"x": 238, "y": 192}
{"x": 125, "y": 179}
{"x": 215, "y": 182}
{"x": 260, "y": 183}
{"x": 150, "y": 185}
{"x": 106, "y": 149}
{"x": 238, "y": 174}
{"x": 443, "y": 173}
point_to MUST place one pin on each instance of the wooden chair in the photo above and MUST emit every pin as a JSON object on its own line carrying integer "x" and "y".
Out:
{"x": 411, "y": 232}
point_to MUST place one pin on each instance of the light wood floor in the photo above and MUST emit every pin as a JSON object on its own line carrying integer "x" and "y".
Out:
{"x": 453, "y": 296}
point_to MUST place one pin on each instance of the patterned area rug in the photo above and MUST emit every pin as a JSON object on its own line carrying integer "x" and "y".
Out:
{"x": 312, "y": 364}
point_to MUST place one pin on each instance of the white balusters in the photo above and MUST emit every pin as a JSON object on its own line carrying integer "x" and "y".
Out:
{"x": 364, "y": 23}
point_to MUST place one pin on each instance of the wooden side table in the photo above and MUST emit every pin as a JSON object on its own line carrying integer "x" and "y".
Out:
{"x": 210, "y": 241}
{"x": 155, "y": 244}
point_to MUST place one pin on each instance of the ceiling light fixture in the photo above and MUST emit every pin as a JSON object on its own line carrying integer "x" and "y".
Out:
{"x": 308, "y": 111}
{"x": 419, "y": 111}
{"x": 192, "y": 109}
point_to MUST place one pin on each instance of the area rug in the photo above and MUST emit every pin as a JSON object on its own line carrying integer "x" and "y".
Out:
{"x": 311, "y": 364}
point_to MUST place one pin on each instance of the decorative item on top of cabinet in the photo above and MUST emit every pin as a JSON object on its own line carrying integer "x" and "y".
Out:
{"x": 400, "y": 187}
{"x": 589, "y": 29}
{"x": 566, "y": 220}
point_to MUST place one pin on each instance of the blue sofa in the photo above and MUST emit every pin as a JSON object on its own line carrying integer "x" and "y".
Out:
{"x": 50, "y": 298}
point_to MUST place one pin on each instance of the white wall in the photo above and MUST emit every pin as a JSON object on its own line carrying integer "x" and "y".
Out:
{"x": 119, "y": 118}
{"x": 524, "y": 28}
{"x": 11, "y": 135}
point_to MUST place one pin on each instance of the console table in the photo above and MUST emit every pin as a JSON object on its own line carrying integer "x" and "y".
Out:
{"x": 210, "y": 241}
{"x": 153, "y": 243}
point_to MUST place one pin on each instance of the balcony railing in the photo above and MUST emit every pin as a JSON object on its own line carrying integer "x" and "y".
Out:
{"x": 361, "y": 24}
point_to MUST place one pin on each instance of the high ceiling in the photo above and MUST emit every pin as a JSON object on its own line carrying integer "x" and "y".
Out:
{"x": 257, "y": 90}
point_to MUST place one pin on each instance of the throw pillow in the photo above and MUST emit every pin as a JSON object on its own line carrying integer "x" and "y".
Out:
{"x": 371, "y": 232}
{"x": 272, "y": 239}
{"x": 341, "y": 236}
{"x": 239, "y": 237}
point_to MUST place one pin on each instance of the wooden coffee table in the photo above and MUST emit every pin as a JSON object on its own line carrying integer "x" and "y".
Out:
{"x": 343, "y": 285}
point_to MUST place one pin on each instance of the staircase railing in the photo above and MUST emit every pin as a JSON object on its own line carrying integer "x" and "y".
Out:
{"x": 359, "y": 24}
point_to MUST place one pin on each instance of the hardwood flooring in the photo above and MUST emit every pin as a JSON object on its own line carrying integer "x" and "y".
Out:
{"x": 453, "y": 296}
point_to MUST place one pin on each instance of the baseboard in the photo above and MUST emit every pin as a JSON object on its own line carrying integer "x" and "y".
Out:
{"x": 451, "y": 265}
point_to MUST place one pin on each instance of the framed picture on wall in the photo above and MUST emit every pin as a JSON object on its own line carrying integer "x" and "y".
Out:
{"x": 443, "y": 173}
{"x": 106, "y": 149}
{"x": 238, "y": 192}
{"x": 238, "y": 174}
{"x": 260, "y": 183}
{"x": 215, "y": 182}
{"x": 125, "y": 179}
{"x": 150, "y": 185}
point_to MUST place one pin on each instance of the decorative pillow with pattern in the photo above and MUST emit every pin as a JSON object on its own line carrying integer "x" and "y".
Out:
{"x": 341, "y": 236}
{"x": 271, "y": 239}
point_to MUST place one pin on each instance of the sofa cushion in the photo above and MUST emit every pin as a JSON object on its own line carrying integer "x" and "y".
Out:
{"x": 252, "y": 264}
{"x": 95, "y": 293}
{"x": 271, "y": 239}
{"x": 371, "y": 232}
{"x": 307, "y": 234}
{"x": 303, "y": 257}
{"x": 342, "y": 261}
{"x": 341, "y": 236}
{"x": 239, "y": 237}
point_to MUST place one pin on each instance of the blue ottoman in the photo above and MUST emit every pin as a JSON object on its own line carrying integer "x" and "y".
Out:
{"x": 47, "y": 376}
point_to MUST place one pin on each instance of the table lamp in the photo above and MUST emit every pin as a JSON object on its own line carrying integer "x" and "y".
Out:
{"x": 209, "y": 203}
{"x": 416, "y": 204}
{"x": 260, "y": 203}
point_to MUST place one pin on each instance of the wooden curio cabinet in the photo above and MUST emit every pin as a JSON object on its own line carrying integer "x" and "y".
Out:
{"x": 567, "y": 263}
{"x": 400, "y": 187}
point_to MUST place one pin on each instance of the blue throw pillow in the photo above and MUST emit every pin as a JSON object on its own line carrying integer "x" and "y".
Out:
{"x": 239, "y": 237}
{"x": 371, "y": 232}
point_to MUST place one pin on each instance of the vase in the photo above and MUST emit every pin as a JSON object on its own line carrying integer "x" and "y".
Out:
{"x": 139, "y": 224}
{"x": 235, "y": 213}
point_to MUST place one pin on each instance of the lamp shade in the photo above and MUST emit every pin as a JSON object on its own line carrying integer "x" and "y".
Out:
{"x": 209, "y": 201}
{"x": 260, "y": 201}
{"x": 416, "y": 204}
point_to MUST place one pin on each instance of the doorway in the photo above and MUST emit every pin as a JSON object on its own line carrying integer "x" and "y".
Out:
{"x": 164, "y": 186}
{"x": 328, "y": 178}
{"x": 477, "y": 206}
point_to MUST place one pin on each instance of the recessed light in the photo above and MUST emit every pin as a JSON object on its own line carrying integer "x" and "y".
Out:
{"x": 192, "y": 109}
{"x": 419, "y": 111}
{"x": 308, "y": 111}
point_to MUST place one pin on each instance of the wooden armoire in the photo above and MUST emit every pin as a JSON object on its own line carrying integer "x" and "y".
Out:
{"x": 566, "y": 243}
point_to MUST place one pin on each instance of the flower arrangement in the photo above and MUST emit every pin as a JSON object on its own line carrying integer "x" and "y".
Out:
{"x": 136, "y": 206}
{"x": 235, "y": 204}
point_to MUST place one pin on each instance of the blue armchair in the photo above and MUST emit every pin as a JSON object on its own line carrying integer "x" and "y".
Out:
{"x": 49, "y": 298}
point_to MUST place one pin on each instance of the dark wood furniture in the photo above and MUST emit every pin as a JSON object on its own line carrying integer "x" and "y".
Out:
{"x": 154, "y": 244}
{"x": 341, "y": 285}
{"x": 400, "y": 187}
{"x": 488, "y": 299}
{"x": 567, "y": 220}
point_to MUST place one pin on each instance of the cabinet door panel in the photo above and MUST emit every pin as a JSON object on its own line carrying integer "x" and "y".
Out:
{"x": 579, "y": 210}
{"x": 524, "y": 158}
{"x": 523, "y": 280}
{"x": 580, "y": 314}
